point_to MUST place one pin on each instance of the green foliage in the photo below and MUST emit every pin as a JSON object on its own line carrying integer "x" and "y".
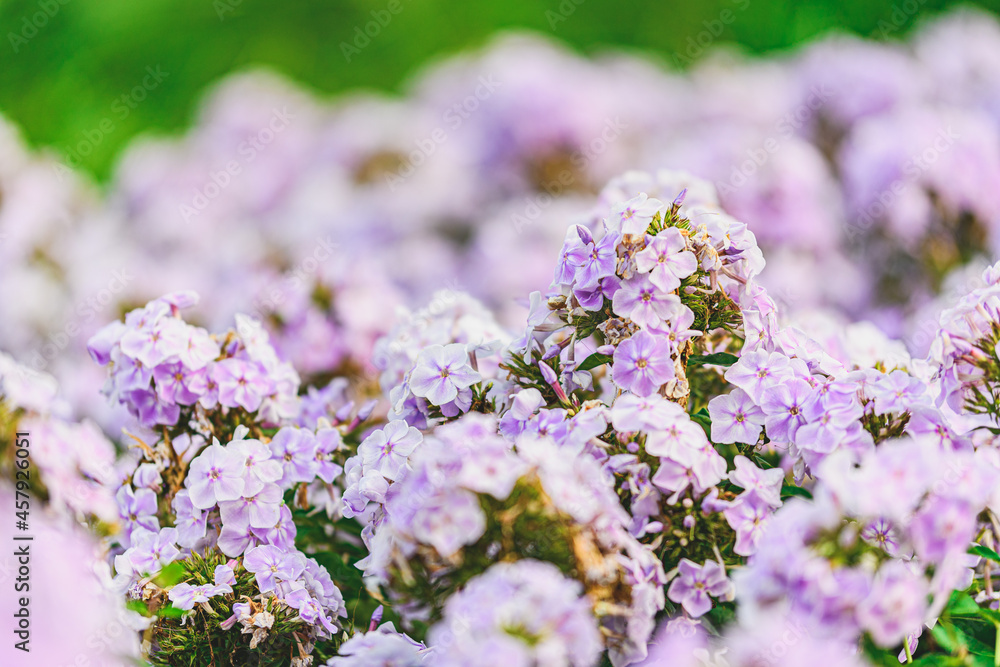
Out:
{"x": 524, "y": 525}
{"x": 63, "y": 81}
{"x": 717, "y": 359}
{"x": 196, "y": 639}
{"x": 985, "y": 552}
{"x": 964, "y": 636}
{"x": 593, "y": 361}
{"x": 337, "y": 546}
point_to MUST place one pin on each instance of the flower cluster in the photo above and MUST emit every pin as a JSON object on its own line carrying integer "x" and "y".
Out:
{"x": 161, "y": 365}
{"x": 656, "y": 446}
{"x": 69, "y": 463}
{"x": 206, "y": 501}
{"x": 882, "y": 545}
{"x": 433, "y": 362}
{"x": 519, "y": 614}
{"x": 467, "y": 491}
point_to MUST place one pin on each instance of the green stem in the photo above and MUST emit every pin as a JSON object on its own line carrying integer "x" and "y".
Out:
{"x": 906, "y": 647}
{"x": 996, "y": 649}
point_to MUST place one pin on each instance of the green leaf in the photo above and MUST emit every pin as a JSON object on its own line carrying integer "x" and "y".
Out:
{"x": 962, "y": 604}
{"x": 593, "y": 361}
{"x": 171, "y": 574}
{"x": 789, "y": 490}
{"x": 704, "y": 420}
{"x": 938, "y": 661}
{"x": 170, "y": 611}
{"x": 985, "y": 552}
{"x": 717, "y": 359}
{"x": 137, "y": 606}
{"x": 990, "y": 615}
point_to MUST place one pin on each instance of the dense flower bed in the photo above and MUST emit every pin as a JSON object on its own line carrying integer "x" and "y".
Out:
{"x": 440, "y": 380}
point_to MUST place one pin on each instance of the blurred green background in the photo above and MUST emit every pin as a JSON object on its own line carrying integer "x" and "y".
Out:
{"x": 58, "y": 81}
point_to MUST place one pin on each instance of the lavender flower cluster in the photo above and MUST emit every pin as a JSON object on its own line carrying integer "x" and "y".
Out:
{"x": 657, "y": 466}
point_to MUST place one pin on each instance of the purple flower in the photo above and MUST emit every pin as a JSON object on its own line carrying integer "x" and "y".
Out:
{"x": 697, "y": 468}
{"x": 387, "y": 449}
{"x": 130, "y": 374}
{"x": 309, "y": 609}
{"x": 241, "y": 383}
{"x": 632, "y": 217}
{"x": 642, "y": 364}
{"x": 177, "y": 384}
{"x": 882, "y": 533}
{"x": 572, "y": 256}
{"x": 216, "y": 475}
{"x": 644, "y": 413}
{"x": 234, "y": 540}
{"x": 943, "y": 528}
{"x": 895, "y": 391}
{"x": 260, "y": 510}
{"x": 382, "y": 646}
{"x": 896, "y": 605}
{"x": 259, "y": 468}
{"x": 147, "y": 476}
{"x": 748, "y": 516}
{"x": 448, "y": 520}
{"x": 295, "y": 449}
{"x": 765, "y": 484}
{"x": 270, "y": 564}
{"x": 191, "y": 522}
{"x": 137, "y": 508}
{"x": 783, "y": 406}
{"x": 676, "y": 436}
{"x": 328, "y": 441}
{"x": 599, "y": 261}
{"x": 694, "y": 584}
{"x": 151, "y": 551}
{"x": 523, "y": 406}
{"x": 735, "y": 418}
{"x": 549, "y": 613}
{"x": 757, "y": 370}
{"x": 150, "y": 410}
{"x": 185, "y": 596}
{"x": 198, "y": 349}
{"x": 440, "y": 371}
{"x": 591, "y": 297}
{"x": 676, "y": 329}
{"x": 282, "y": 534}
{"x": 667, "y": 260}
{"x": 224, "y": 574}
{"x": 372, "y": 487}
{"x": 645, "y": 304}
{"x": 104, "y": 341}
{"x": 156, "y": 344}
